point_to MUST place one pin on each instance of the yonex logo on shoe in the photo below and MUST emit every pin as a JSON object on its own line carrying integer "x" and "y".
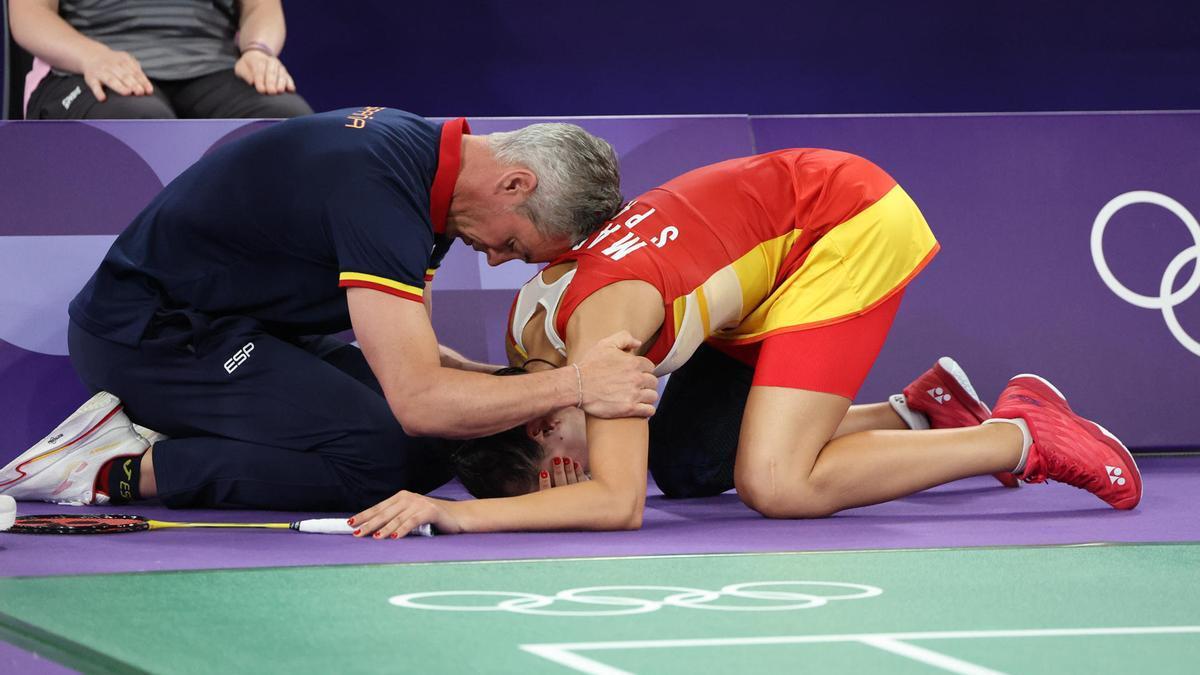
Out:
{"x": 1114, "y": 474}
{"x": 938, "y": 394}
{"x": 54, "y": 439}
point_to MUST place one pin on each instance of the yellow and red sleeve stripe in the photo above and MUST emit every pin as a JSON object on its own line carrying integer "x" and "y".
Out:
{"x": 357, "y": 279}
{"x": 429, "y": 274}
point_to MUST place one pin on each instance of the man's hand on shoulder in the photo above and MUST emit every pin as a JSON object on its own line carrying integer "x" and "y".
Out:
{"x": 615, "y": 382}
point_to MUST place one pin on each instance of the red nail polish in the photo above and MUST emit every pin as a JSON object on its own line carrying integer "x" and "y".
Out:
{"x": 357, "y": 532}
{"x": 376, "y": 535}
{"x": 395, "y": 535}
{"x": 350, "y": 522}
{"x": 557, "y": 461}
{"x": 545, "y": 475}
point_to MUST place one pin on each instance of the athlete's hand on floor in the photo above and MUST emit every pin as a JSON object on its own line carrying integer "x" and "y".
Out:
{"x": 399, "y": 514}
{"x": 566, "y": 472}
{"x": 615, "y": 382}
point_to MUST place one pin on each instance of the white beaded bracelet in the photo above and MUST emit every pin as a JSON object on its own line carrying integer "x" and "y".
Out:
{"x": 579, "y": 380}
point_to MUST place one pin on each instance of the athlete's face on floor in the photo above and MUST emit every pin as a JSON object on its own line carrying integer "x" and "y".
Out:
{"x": 562, "y": 433}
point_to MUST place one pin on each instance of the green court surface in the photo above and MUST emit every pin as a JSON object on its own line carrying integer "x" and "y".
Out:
{"x": 1092, "y": 609}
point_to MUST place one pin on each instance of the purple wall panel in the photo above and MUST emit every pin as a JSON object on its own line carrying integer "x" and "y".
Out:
{"x": 1013, "y": 199}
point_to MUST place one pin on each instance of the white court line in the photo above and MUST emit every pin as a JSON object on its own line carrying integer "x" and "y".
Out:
{"x": 568, "y": 658}
{"x": 564, "y": 653}
{"x": 929, "y": 657}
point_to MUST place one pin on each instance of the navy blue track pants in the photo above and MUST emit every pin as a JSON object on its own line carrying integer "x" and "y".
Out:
{"x": 257, "y": 421}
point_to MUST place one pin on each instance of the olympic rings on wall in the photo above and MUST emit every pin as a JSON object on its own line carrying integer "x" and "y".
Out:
{"x": 1166, "y": 301}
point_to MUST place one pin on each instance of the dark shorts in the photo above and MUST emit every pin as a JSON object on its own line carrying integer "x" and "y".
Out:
{"x": 694, "y": 433}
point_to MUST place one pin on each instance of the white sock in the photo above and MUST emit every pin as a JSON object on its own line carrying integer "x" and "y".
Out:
{"x": 914, "y": 420}
{"x": 1027, "y": 438}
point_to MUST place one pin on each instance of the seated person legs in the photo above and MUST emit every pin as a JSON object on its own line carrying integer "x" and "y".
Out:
{"x": 68, "y": 97}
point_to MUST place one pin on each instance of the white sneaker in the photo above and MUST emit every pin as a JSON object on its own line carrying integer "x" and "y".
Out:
{"x": 62, "y": 467}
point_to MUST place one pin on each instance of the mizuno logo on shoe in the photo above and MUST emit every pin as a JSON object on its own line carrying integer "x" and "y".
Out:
{"x": 938, "y": 394}
{"x": 1114, "y": 474}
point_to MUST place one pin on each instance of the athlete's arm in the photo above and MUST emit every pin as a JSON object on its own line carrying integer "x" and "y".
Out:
{"x": 398, "y": 342}
{"x": 452, "y": 359}
{"x": 612, "y": 500}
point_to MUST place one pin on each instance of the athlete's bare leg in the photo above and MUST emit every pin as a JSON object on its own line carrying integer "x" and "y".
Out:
{"x": 788, "y": 467}
{"x": 869, "y": 417}
{"x": 148, "y": 486}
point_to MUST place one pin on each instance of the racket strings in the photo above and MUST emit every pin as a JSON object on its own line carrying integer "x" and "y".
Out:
{"x": 74, "y": 524}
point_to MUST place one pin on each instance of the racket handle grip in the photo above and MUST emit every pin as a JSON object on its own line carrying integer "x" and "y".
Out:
{"x": 323, "y": 526}
{"x": 339, "y": 526}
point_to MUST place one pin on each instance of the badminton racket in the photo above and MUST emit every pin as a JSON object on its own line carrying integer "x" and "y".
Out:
{"x": 115, "y": 523}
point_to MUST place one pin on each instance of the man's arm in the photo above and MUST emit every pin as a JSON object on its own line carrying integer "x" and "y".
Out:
{"x": 398, "y": 342}
{"x": 615, "y": 497}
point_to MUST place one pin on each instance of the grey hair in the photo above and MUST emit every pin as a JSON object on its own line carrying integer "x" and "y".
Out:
{"x": 579, "y": 183}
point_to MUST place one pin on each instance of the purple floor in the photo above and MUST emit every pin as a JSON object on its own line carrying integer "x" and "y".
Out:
{"x": 974, "y": 512}
{"x": 13, "y": 659}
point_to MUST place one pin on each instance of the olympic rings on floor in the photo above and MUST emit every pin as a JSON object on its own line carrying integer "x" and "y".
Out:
{"x": 766, "y": 592}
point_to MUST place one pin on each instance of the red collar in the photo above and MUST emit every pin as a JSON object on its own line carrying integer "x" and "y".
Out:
{"x": 449, "y": 159}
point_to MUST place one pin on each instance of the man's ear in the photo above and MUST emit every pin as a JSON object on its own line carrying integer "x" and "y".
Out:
{"x": 517, "y": 181}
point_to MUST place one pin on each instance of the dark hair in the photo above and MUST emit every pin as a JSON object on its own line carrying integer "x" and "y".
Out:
{"x": 501, "y": 465}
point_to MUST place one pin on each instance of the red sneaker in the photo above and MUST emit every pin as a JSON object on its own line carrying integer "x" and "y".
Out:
{"x": 946, "y": 397}
{"x": 1068, "y": 448}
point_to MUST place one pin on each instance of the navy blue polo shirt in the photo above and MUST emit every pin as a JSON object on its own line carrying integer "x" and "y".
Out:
{"x": 274, "y": 226}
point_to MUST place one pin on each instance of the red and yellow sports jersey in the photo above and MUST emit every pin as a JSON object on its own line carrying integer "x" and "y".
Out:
{"x": 745, "y": 249}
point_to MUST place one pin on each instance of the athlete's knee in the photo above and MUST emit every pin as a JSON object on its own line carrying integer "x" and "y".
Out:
{"x": 766, "y": 490}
